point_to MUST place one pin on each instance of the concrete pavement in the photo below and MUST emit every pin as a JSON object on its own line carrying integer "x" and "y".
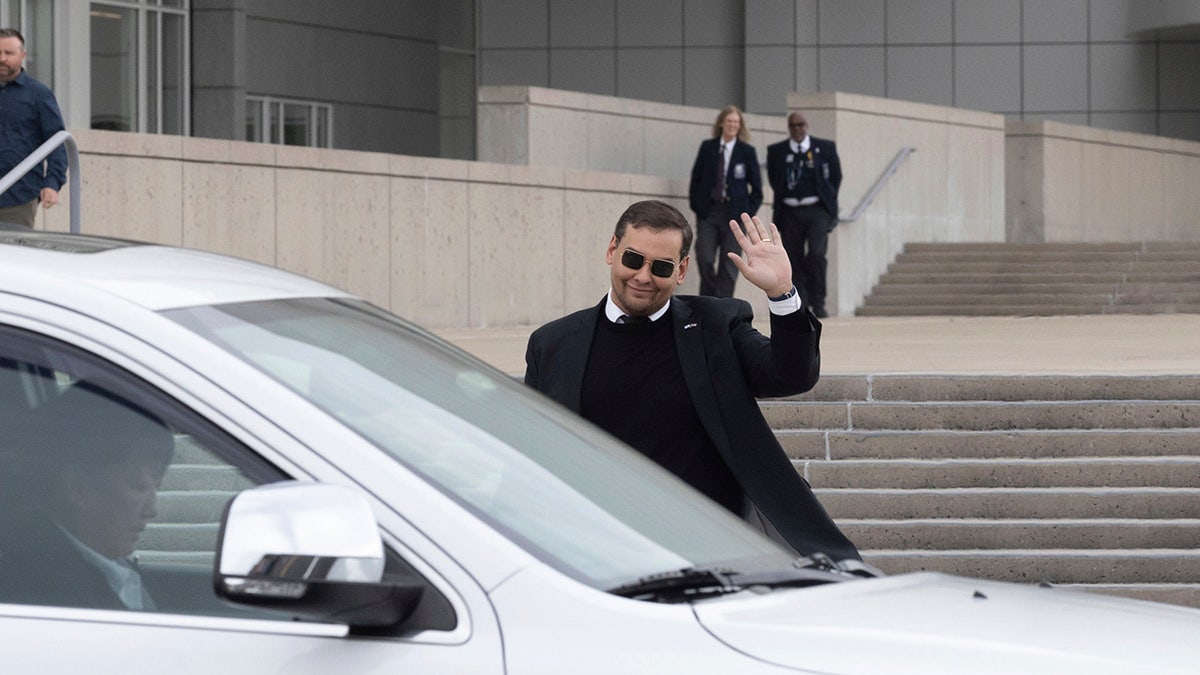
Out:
{"x": 1159, "y": 344}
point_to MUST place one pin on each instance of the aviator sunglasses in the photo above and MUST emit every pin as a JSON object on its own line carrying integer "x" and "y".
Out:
{"x": 659, "y": 268}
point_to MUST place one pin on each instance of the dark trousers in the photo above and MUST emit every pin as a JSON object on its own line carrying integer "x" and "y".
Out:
{"x": 714, "y": 239}
{"x": 805, "y": 231}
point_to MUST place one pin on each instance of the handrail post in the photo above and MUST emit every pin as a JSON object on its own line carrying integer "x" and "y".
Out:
{"x": 38, "y": 156}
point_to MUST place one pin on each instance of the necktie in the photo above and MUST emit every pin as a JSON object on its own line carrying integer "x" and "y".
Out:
{"x": 793, "y": 172}
{"x": 718, "y": 193}
{"x": 625, "y": 318}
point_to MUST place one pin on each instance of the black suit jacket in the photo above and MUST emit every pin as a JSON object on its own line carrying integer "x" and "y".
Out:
{"x": 40, "y": 566}
{"x": 743, "y": 179}
{"x": 825, "y": 163}
{"x": 726, "y": 364}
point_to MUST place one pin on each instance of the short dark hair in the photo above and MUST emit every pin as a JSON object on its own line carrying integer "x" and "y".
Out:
{"x": 658, "y": 216}
{"x": 89, "y": 429}
{"x": 12, "y": 32}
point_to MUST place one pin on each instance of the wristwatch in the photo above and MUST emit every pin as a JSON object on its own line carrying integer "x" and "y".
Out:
{"x": 783, "y": 297}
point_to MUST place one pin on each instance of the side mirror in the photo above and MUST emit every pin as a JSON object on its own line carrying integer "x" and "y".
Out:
{"x": 311, "y": 549}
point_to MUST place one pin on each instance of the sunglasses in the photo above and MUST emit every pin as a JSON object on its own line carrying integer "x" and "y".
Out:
{"x": 659, "y": 268}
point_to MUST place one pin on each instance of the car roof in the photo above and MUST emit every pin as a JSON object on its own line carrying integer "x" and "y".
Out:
{"x": 153, "y": 276}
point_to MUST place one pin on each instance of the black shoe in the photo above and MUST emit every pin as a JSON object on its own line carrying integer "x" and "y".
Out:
{"x": 820, "y": 313}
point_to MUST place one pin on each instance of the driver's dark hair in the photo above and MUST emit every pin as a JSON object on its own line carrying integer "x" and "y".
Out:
{"x": 658, "y": 216}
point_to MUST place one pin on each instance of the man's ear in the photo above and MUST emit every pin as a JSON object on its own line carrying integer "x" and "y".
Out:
{"x": 683, "y": 268}
{"x": 612, "y": 249}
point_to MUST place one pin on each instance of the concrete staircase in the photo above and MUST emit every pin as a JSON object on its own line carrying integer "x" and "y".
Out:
{"x": 1088, "y": 482}
{"x": 999, "y": 279}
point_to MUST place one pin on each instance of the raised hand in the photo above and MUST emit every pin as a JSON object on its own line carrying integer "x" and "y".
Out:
{"x": 766, "y": 263}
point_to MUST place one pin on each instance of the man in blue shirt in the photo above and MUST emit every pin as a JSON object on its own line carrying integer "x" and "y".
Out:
{"x": 29, "y": 116}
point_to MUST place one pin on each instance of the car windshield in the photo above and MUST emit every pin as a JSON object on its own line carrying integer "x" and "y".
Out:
{"x": 570, "y": 494}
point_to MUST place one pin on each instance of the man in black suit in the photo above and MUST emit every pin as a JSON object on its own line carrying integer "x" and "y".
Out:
{"x": 91, "y": 465}
{"x": 676, "y": 377}
{"x": 805, "y": 174}
{"x": 726, "y": 181}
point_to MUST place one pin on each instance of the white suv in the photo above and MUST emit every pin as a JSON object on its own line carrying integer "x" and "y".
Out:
{"x": 340, "y": 491}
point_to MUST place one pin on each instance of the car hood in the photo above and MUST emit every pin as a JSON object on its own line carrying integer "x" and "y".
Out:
{"x": 934, "y": 623}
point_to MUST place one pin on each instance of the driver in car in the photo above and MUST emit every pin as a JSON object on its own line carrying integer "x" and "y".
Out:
{"x": 89, "y": 465}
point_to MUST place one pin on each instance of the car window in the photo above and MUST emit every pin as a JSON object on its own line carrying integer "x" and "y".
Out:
{"x": 111, "y": 492}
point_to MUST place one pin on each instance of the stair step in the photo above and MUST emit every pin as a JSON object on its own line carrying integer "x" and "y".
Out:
{"x": 983, "y": 415}
{"x": 998, "y": 289}
{"x": 191, "y": 506}
{"x": 1035, "y": 256}
{"x": 1025, "y": 310}
{"x": 1010, "y": 533}
{"x": 1025, "y": 265}
{"x": 205, "y": 477}
{"x": 1187, "y": 595}
{"x": 913, "y": 388}
{"x": 1006, "y": 503}
{"x": 1009, "y": 472}
{"x": 1033, "y": 443}
{"x": 1056, "y": 566}
{"x": 1070, "y": 279}
{"x": 902, "y": 275}
{"x": 1129, "y": 246}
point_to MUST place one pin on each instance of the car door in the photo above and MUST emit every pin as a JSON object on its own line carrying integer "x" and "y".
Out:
{"x": 111, "y": 493}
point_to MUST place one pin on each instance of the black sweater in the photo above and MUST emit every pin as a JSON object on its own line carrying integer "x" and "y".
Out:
{"x": 633, "y": 388}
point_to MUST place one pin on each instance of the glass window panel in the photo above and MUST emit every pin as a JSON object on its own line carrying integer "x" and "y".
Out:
{"x": 114, "y": 67}
{"x": 323, "y": 126}
{"x": 151, "y": 85}
{"x": 174, "y": 84}
{"x": 39, "y": 38}
{"x": 254, "y": 120}
{"x": 296, "y": 124}
{"x": 276, "y": 123}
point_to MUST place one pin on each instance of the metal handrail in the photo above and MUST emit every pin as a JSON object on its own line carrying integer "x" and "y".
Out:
{"x": 38, "y": 156}
{"x": 878, "y": 186}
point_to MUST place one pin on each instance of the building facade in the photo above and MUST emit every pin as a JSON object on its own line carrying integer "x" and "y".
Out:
{"x": 400, "y": 76}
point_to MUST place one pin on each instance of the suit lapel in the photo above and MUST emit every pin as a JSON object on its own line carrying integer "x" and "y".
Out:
{"x": 575, "y": 344}
{"x": 689, "y": 342}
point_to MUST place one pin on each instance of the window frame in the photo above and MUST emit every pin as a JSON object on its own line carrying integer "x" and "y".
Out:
{"x": 268, "y": 121}
{"x": 148, "y": 81}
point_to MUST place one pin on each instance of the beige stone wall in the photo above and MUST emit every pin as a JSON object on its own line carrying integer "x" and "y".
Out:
{"x": 453, "y": 244}
{"x": 1076, "y": 183}
{"x": 951, "y": 189}
{"x": 447, "y": 243}
{"x": 550, "y": 127}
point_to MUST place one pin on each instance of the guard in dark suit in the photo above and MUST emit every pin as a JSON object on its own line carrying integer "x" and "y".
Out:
{"x": 677, "y": 377}
{"x": 805, "y": 175}
{"x": 726, "y": 181}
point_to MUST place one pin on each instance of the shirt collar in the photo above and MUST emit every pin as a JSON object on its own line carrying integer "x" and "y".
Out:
{"x": 613, "y": 312}
{"x": 20, "y": 79}
{"x": 802, "y": 146}
{"x": 121, "y": 575}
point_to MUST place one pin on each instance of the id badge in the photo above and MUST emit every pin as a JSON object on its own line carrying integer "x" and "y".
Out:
{"x": 739, "y": 171}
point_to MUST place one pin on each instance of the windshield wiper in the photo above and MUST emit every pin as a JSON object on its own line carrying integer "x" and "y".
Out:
{"x": 696, "y": 583}
{"x": 690, "y": 583}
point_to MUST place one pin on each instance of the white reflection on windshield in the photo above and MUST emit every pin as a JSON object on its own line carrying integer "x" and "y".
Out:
{"x": 572, "y": 495}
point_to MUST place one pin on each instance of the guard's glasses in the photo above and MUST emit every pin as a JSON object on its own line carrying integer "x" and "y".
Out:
{"x": 659, "y": 268}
